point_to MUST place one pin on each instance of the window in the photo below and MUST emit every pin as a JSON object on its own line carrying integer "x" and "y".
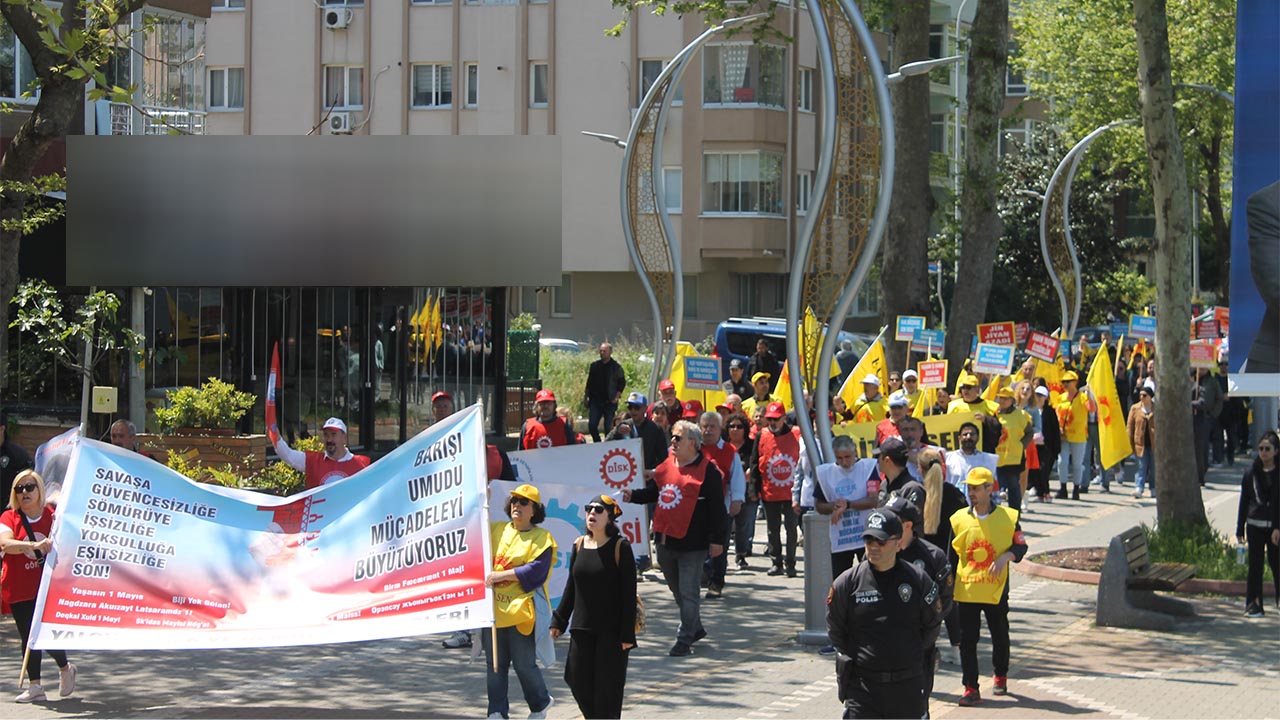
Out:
{"x": 226, "y": 89}
{"x": 16, "y": 70}
{"x": 538, "y": 85}
{"x": 1014, "y": 82}
{"x": 173, "y": 75}
{"x": 562, "y": 297}
{"x": 938, "y": 133}
{"x": 804, "y": 93}
{"x": 343, "y": 87}
{"x": 432, "y": 2}
{"x": 1014, "y": 136}
{"x": 937, "y": 41}
{"x": 742, "y": 182}
{"x": 526, "y": 300}
{"x": 348, "y": 3}
{"x": 649, "y": 71}
{"x": 673, "y": 188}
{"x": 228, "y": 4}
{"x": 473, "y": 85}
{"x": 690, "y": 297}
{"x": 867, "y": 301}
{"x": 804, "y": 190}
{"x": 432, "y": 86}
{"x": 740, "y": 73}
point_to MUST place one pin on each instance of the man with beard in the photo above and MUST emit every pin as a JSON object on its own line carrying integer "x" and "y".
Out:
{"x": 546, "y": 429}
{"x": 969, "y": 457}
{"x": 335, "y": 463}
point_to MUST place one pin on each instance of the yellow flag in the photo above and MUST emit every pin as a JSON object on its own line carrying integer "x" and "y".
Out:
{"x": 993, "y": 387}
{"x": 437, "y": 326}
{"x": 1113, "y": 438}
{"x": 873, "y": 362}
{"x": 1052, "y": 373}
{"x": 709, "y": 398}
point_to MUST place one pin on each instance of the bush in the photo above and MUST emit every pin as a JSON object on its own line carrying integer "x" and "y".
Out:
{"x": 565, "y": 374}
{"x": 1213, "y": 555}
{"x": 215, "y": 404}
{"x": 278, "y": 478}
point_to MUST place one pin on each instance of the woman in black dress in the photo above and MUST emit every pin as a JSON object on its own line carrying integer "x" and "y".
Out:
{"x": 598, "y": 607}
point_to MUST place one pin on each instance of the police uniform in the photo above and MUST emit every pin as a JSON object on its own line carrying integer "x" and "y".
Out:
{"x": 879, "y": 623}
{"x": 935, "y": 563}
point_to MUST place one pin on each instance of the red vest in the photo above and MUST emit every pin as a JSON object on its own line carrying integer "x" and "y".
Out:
{"x": 779, "y": 457}
{"x": 321, "y": 469}
{"x": 723, "y": 458}
{"x": 886, "y": 429}
{"x": 20, "y": 578}
{"x": 538, "y": 434}
{"x": 678, "y": 489}
{"x": 493, "y": 462}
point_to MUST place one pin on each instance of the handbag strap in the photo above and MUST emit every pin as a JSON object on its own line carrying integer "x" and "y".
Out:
{"x": 31, "y": 534}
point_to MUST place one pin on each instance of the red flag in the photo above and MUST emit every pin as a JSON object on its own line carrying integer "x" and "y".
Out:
{"x": 273, "y": 389}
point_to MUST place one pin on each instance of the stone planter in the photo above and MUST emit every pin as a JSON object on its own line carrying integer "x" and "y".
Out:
{"x": 247, "y": 454}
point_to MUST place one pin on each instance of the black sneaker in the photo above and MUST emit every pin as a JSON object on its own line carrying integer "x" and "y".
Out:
{"x": 1062, "y": 493}
{"x": 1075, "y": 493}
{"x": 827, "y": 650}
{"x": 742, "y": 563}
{"x": 791, "y": 572}
{"x": 702, "y": 632}
{"x": 680, "y": 650}
{"x": 775, "y": 571}
{"x": 1254, "y": 611}
{"x": 713, "y": 593}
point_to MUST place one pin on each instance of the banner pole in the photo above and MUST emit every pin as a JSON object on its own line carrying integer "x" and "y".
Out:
{"x": 493, "y": 637}
{"x": 22, "y": 673}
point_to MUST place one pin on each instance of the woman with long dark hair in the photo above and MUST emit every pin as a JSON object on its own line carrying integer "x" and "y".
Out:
{"x": 25, "y": 530}
{"x": 738, "y": 432}
{"x": 1258, "y": 521}
{"x": 598, "y": 607}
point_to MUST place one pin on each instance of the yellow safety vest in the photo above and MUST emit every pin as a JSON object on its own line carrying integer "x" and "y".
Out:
{"x": 512, "y": 605}
{"x": 978, "y": 543}
{"x": 1012, "y": 426}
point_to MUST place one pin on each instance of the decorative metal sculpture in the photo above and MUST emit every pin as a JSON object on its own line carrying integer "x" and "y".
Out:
{"x": 840, "y": 238}
{"x": 646, "y": 224}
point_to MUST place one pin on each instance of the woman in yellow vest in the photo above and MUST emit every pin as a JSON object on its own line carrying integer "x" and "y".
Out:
{"x": 1015, "y": 436}
{"x": 1073, "y": 420}
{"x": 987, "y": 538}
{"x": 522, "y": 558}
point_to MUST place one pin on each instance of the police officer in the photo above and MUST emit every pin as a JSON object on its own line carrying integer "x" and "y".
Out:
{"x": 934, "y": 562}
{"x": 881, "y": 615}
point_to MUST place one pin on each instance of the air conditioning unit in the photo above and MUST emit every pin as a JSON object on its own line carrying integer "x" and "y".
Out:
{"x": 340, "y": 123}
{"x": 337, "y": 18}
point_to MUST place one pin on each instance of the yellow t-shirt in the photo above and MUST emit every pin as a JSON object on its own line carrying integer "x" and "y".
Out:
{"x": 1073, "y": 418}
{"x": 985, "y": 407}
{"x": 978, "y": 543}
{"x": 749, "y": 405}
{"x": 1012, "y": 426}
{"x": 865, "y": 410}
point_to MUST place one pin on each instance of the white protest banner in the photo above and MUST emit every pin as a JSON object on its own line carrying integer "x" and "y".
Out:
{"x": 144, "y": 558}
{"x": 993, "y": 359}
{"x": 566, "y": 478}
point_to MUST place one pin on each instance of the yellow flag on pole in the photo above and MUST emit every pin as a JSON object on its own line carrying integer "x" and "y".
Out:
{"x": 1113, "y": 437}
{"x": 437, "y": 326}
{"x": 873, "y": 362}
{"x": 992, "y": 388}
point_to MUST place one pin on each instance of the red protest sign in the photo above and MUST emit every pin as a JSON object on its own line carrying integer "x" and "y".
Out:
{"x": 1207, "y": 329}
{"x": 1001, "y": 333}
{"x": 933, "y": 373}
{"x": 1042, "y": 346}
{"x": 1020, "y": 332}
{"x": 1202, "y": 355}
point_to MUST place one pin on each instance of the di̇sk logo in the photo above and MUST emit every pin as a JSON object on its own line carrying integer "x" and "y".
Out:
{"x": 618, "y": 468}
{"x": 781, "y": 469}
{"x": 669, "y": 497}
{"x": 544, "y": 442}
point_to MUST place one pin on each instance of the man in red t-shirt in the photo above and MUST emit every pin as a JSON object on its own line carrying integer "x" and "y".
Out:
{"x": 546, "y": 429}
{"x": 335, "y": 463}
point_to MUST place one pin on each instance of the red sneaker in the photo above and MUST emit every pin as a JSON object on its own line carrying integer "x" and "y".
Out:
{"x": 970, "y": 698}
{"x": 1002, "y": 685}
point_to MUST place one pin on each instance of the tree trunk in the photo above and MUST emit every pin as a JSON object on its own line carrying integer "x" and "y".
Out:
{"x": 1178, "y": 491}
{"x": 904, "y": 271}
{"x": 980, "y": 227}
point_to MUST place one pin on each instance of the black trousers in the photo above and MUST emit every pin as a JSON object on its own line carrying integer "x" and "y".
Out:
{"x": 596, "y": 672}
{"x": 970, "y": 627}
{"x": 899, "y": 699}
{"x": 843, "y": 560}
{"x": 776, "y": 513}
{"x": 23, "y": 612}
{"x": 1259, "y": 540}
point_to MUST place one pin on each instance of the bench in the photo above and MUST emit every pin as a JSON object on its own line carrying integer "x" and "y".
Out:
{"x": 1126, "y": 589}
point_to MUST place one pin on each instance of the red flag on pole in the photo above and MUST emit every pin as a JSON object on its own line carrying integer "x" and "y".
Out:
{"x": 273, "y": 390}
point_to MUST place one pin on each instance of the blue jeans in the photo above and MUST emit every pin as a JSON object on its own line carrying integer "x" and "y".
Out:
{"x": 597, "y": 411}
{"x": 1071, "y": 463}
{"x": 683, "y": 571}
{"x": 744, "y": 529}
{"x": 1008, "y": 477}
{"x": 1146, "y": 470}
{"x": 520, "y": 651}
{"x": 1095, "y": 448}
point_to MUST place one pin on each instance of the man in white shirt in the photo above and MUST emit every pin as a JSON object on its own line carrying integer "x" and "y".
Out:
{"x": 968, "y": 457}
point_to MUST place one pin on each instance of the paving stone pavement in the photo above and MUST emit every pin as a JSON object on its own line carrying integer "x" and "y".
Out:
{"x": 1219, "y": 665}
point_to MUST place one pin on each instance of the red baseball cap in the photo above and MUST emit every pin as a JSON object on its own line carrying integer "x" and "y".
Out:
{"x": 544, "y": 395}
{"x": 775, "y": 410}
{"x": 666, "y": 385}
{"x": 441, "y": 395}
{"x": 692, "y": 407}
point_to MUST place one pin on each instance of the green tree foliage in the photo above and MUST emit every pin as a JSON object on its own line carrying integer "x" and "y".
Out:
{"x": 1021, "y": 289}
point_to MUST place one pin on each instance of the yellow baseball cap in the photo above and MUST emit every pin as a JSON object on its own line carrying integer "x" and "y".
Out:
{"x": 528, "y": 492}
{"x": 1006, "y": 393}
{"x": 760, "y": 376}
{"x": 979, "y": 476}
{"x": 1070, "y": 375}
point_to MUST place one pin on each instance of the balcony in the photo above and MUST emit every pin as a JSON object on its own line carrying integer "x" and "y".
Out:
{"x": 124, "y": 120}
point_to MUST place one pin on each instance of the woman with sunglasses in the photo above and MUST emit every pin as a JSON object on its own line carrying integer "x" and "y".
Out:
{"x": 1258, "y": 521}
{"x": 738, "y": 432}
{"x": 522, "y": 557}
{"x": 598, "y": 607}
{"x": 25, "y": 540}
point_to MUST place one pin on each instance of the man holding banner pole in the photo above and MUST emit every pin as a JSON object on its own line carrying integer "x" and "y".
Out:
{"x": 335, "y": 463}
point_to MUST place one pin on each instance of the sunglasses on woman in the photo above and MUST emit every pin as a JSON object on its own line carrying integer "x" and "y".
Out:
{"x": 597, "y": 508}
{"x": 736, "y": 426}
{"x": 31, "y": 487}
{"x": 522, "y": 502}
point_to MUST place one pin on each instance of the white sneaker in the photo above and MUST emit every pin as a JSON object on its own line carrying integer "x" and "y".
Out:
{"x": 33, "y": 693}
{"x": 542, "y": 714}
{"x": 497, "y": 716}
{"x": 951, "y": 655}
{"x": 67, "y": 680}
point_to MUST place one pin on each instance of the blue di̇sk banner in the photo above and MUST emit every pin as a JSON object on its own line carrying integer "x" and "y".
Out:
{"x": 145, "y": 558}
{"x": 567, "y": 477}
{"x": 1254, "y": 361}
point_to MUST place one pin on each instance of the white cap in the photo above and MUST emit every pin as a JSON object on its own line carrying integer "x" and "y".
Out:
{"x": 1042, "y": 391}
{"x": 871, "y": 379}
{"x": 1150, "y": 385}
{"x": 910, "y": 374}
{"x": 334, "y": 423}
{"x": 899, "y": 399}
